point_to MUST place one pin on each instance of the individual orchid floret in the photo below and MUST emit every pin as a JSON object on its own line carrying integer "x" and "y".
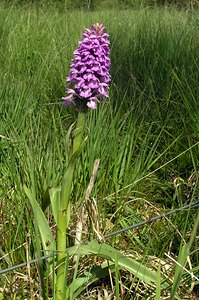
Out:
{"x": 89, "y": 78}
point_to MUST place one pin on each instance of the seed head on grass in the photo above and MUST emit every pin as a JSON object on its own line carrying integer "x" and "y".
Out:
{"x": 89, "y": 78}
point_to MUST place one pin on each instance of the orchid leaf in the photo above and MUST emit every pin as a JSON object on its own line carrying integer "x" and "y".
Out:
{"x": 107, "y": 252}
{"x": 44, "y": 229}
{"x": 113, "y": 256}
{"x": 68, "y": 177}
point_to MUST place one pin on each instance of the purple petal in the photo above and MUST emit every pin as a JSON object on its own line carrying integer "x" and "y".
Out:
{"x": 80, "y": 83}
{"x": 102, "y": 91}
{"x": 93, "y": 84}
{"x": 88, "y": 76}
{"x": 91, "y": 104}
{"x": 74, "y": 71}
{"x": 86, "y": 93}
{"x": 70, "y": 91}
{"x": 67, "y": 100}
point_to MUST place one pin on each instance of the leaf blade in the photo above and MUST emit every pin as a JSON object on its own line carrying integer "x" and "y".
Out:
{"x": 47, "y": 238}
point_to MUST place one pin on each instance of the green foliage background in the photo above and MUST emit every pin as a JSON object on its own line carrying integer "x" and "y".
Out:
{"x": 108, "y": 4}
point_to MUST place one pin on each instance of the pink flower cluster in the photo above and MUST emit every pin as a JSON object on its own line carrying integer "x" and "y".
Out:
{"x": 89, "y": 78}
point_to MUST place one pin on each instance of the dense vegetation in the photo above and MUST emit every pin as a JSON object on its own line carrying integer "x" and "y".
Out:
{"x": 146, "y": 136}
{"x": 108, "y": 4}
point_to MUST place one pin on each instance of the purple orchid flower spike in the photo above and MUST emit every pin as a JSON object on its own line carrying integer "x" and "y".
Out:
{"x": 89, "y": 78}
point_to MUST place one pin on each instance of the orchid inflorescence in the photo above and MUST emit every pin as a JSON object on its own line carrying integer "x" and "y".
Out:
{"x": 89, "y": 78}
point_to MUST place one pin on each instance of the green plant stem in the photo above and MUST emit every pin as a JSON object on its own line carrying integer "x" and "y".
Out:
{"x": 64, "y": 209}
{"x": 78, "y": 132}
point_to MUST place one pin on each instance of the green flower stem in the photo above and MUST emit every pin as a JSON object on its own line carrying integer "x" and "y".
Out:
{"x": 79, "y": 132}
{"x": 64, "y": 209}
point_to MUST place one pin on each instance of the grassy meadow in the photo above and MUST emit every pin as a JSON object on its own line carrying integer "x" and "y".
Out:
{"x": 146, "y": 137}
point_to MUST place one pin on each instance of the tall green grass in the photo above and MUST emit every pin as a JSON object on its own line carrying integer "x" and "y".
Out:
{"x": 106, "y": 4}
{"x": 150, "y": 119}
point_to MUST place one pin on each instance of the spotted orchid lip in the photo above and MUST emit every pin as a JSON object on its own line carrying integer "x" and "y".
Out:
{"x": 89, "y": 74}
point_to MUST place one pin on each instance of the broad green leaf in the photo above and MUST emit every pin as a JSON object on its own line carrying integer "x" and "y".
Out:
{"x": 40, "y": 219}
{"x": 115, "y": 258}
{"x": 107, "y": 252}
